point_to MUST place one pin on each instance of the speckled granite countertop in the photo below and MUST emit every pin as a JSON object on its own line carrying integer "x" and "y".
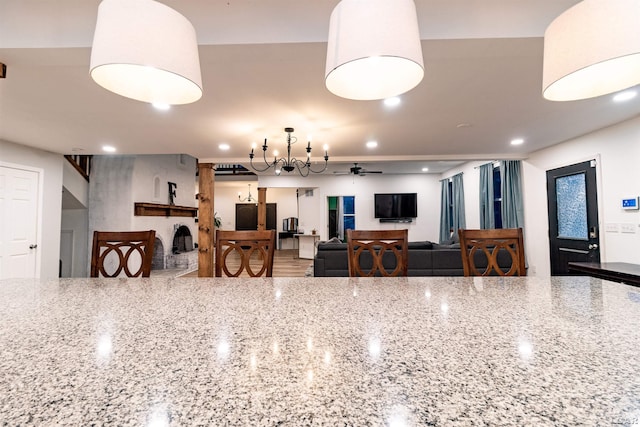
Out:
{"x": 319, "y": 351}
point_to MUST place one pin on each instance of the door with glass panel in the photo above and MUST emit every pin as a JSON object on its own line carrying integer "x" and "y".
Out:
{"x": 342, "y": 215}
{"x": 573, "y": 216}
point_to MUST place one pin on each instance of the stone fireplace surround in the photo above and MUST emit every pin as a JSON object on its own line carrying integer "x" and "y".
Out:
{"x": 119, "y": 182}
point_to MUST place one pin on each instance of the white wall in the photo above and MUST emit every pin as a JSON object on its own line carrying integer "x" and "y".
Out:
{"x": 618, "y": 150}
{"x": 75, "y": 183}
{"x": 226, "y": 198}
{"x": 76, "y": 221}
{"x": 314, "y": 210}
{"x": 51, "y": 197}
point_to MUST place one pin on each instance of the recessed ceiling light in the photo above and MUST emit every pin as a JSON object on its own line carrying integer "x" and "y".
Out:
{"x": 463, "y": 125}
{"x": 625, "y": 96}
{"x": 392, "y": 102}
{"x": 372, "y": 144}
{"x": 108, "y": 149}
{"x": 224, "y": 146}
{"x": 517, "y": 141}
{"x": 160, "y": 106}
{"x": 425, "y": 169}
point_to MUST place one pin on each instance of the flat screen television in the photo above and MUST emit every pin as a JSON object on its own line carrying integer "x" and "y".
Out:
{"x": 396, "y": 206}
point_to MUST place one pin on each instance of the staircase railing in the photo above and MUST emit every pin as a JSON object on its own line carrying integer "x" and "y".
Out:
{"x": 82, "y": 163}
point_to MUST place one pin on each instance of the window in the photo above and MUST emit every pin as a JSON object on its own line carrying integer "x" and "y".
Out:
{"x": 450, "y": 189}
{"x": 349, "y": 215}
{"x": 497, "y": 197}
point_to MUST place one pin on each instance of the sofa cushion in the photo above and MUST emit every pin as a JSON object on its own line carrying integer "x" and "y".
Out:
{"x": 439, "y": 246}
{"x": 447, "y": 259}
{"x": 420, "y": 245}
{"x": 331, "y": 246}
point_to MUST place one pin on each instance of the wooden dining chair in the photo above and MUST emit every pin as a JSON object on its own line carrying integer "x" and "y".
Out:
{"x": 369, "y": 250}
{"x": 250, "y": 251}
{"x": 117, "y": 252}
{"x": 487, "y": 252}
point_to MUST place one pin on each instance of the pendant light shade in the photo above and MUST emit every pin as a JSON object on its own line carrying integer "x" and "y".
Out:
{"x": 374, "y": 49}
{"x": 592, "y": 49}
{"x": 146, "y": 51}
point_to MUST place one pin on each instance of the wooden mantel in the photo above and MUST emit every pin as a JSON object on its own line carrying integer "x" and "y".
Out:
{"x": 157, "y": 209}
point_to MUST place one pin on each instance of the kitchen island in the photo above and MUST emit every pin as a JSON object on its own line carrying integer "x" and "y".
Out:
{"x": 319, "y": 351}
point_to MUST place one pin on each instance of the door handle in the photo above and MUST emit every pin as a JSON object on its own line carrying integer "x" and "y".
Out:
{"x": 33, "y": 246}
{"x": 593, "y": 246}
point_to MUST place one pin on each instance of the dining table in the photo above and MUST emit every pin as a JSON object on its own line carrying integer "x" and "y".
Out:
{"x": 379, "y": 351}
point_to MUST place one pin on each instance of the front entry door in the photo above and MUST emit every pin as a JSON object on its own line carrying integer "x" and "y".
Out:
{"x": 18, "y": 222}
{"x": 573, "y": 216}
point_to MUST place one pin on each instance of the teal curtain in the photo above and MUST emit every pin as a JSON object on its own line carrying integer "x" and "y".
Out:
{"x": 458, "y": 217}
{"x": 445, "y": 213}
{"x": 487, "y": 216}
{"x": 511, "y": 188}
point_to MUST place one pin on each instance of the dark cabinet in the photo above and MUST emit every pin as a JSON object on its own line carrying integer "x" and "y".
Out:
{"x": 247, "y": 216}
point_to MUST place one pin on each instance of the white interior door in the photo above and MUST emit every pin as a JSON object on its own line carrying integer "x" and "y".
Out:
{"x": 18, "y": 222}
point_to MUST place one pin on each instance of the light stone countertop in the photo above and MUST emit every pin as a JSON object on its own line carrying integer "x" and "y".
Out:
{"x": 319, "y": 351}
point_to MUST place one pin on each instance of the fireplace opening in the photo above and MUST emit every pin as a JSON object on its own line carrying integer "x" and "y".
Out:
{"x": 182, "y": 240}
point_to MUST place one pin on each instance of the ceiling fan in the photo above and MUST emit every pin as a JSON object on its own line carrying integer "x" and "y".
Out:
{"x": 356, "y": 170}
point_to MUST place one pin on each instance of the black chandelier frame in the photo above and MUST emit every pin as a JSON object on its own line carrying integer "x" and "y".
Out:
{"x": 289, "y": 164}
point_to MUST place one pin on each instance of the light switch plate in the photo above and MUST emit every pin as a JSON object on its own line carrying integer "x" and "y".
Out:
{"x": 628, "y": 228}
{"x": 612, "y": 228}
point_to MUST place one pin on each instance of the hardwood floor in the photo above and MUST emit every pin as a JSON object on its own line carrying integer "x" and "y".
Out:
{"x": 284, "y": 264}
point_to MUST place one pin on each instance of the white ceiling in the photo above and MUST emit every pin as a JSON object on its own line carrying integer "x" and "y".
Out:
{"x": 262, "y": 66}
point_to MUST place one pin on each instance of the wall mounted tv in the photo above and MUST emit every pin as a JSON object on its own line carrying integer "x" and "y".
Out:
{"x": 396, "y": 206}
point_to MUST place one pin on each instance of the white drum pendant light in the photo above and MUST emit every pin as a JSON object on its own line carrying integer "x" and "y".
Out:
{"x": 374, "y": 49}
{"x": 592, "y": 49}
{"x": 146, "y": 51}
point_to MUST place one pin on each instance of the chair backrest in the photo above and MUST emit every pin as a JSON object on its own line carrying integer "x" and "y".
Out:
{"x": 250, "y": 251}
{"x": 490, "y": 247}
{"x": 115, "y": 252}
{"x": 367, "y": 249}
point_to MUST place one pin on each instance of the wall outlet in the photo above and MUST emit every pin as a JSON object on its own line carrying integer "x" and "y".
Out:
{"x": 612, "y": 228}
{"x": 628, "y": 228}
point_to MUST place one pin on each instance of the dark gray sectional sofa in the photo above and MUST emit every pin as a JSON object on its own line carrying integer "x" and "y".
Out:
{"x": 425, "y": 259}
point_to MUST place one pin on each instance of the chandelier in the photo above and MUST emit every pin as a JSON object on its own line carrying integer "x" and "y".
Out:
{"x": 289, "y": 163}
{"x": 249, "y": 198}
